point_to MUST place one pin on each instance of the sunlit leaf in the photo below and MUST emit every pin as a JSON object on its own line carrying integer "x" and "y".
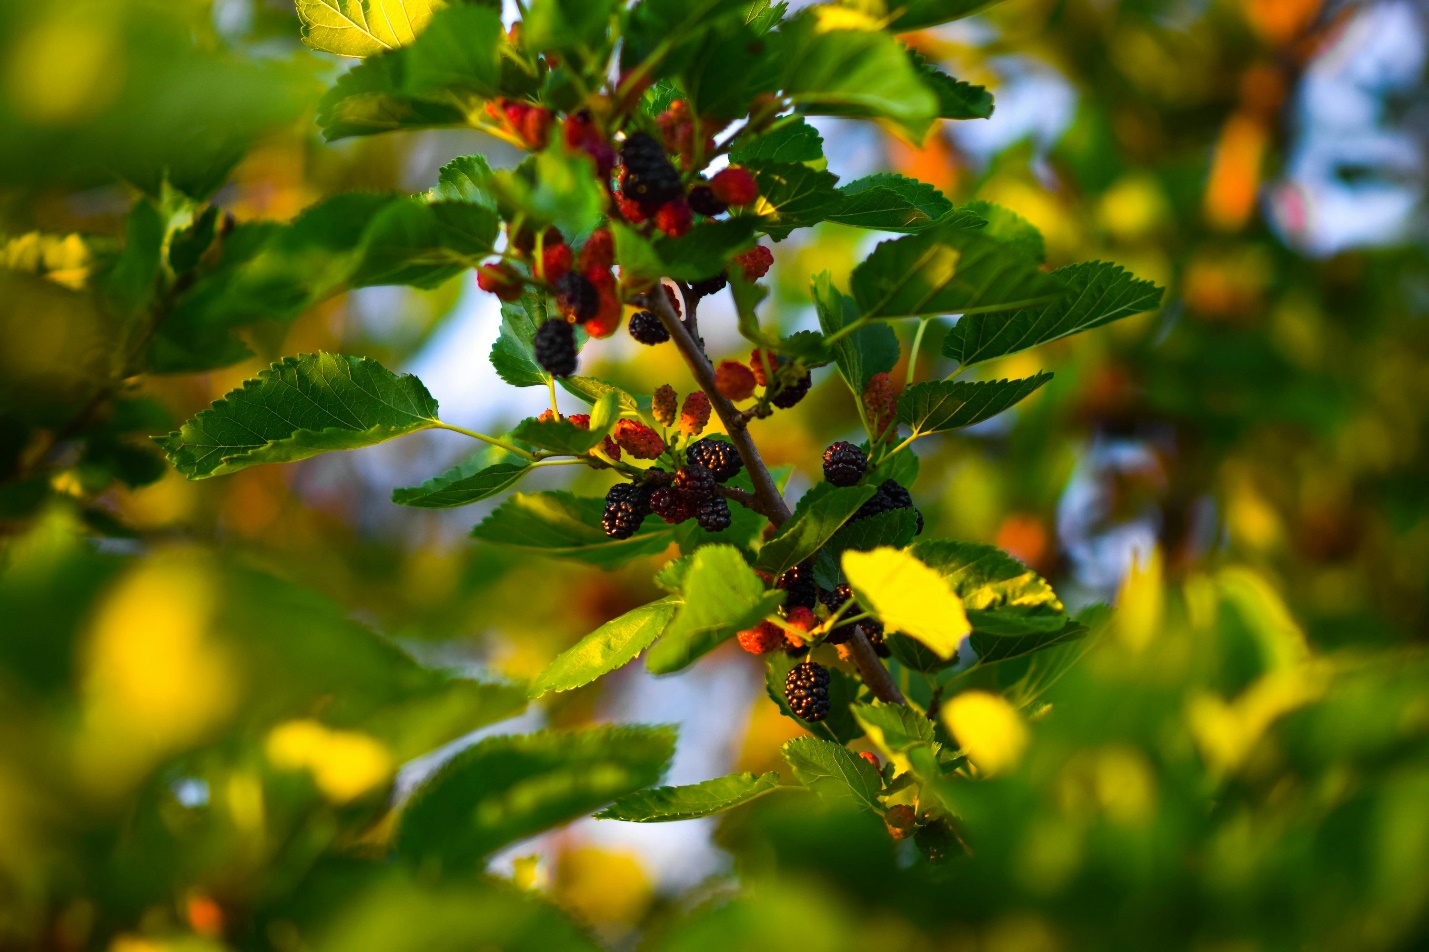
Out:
{"x": 664, "y": 804}
{"x": 833, "y": 771}
{"x": 610, "y": 646}
{"x": 722, "y": 595}
{"x": 363, "y": 27}
{"x": 908, "y": 596}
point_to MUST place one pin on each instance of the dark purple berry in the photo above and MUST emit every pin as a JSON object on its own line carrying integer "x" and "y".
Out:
{"x": 807, "y": 691}
{"x": 800, "y": 590}
{"x": 649, "y": 180}
{"x": 718, "y": 456}
{"x": 713, "y": 514}
{"x": 792, "y": 393}
{"x": 626, "y": 506}
{"x": 703, "y": 201}
{"x": 833, "y": 601}
{"x": 554, "y": 346}
{"x": 577, "y": 298}
{"x": 671, "y": 504}
{"x": 844, "y": 464}
{"x": 695, "y": 481}
{"x": 647, "y": 329}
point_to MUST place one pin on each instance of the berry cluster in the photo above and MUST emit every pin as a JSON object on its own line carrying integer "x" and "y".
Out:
{"x": 843, "y": 595}
{"x": 807, "y": 691}
{"x": 692, "y": 491}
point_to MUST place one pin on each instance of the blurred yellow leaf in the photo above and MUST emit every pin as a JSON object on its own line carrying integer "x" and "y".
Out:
{"x": 64, "y": 70}
{"x": 1140, "y": 604}
{"x": 155, "y": 680}
{"x": 988, "y": 729}
{"x": 603, "y": 886}
{"x": 908, "y": 597}
{"x": 1227, "y": 731}
{"x": 344, "y": 764}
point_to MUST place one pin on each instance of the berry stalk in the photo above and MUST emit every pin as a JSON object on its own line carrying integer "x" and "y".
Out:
{"x": 770, "y": 502}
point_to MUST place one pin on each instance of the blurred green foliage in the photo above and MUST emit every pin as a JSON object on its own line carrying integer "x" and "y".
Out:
{"x": 198, "y": 751}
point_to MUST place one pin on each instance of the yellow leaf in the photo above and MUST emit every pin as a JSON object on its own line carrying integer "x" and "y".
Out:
{"x": 1139, "y": 606}
{"x": 988, "y": 729}
{"x": 831, "y": 18}
{"x": 344, "y": 764}
{"x": 908, "y": 597}
{"x": 363, "y": 27}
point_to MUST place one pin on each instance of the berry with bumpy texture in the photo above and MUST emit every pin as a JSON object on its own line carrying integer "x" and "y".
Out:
{"x": 756, "y": 262}
{"x": 674, "y": 218}
{"x": 718, "y": 456}
{"x": 626, "y": 506}
{"x": 695, "y": 481}
{"x": 734, "y": 186}
{"x": 881, "y": 406}
{"x": 872, "y": 758}
{"x": 844, "y": 464}
{"x": 801, "y": 621}
{"x": 499, "y": 279}
{"x": 647, "y": 329}
{"x": 707, "y": 286}
{"x": 694, "y": 413}
{"x": 806, "y": 689}
{"x": 734, "y": 381}
{"x": 577, "y": 297}
{"x": 703, "y": 200}
{"x": 874, "y": 631}
{"x": 638, "y": 440}
{"x": 554, "y": 347}
{"x": 890, "y": 496}
{"x": 582, "y": 420}
{"x": 793, "y": 392}
{"x": 713, "y": 514}
{"x": 555, "y": 262}
{"x": 936, "y": 841}
{"x": 670, "y": 504}
{"x": 798, "y": 586}
{"x": 663, "y": 404}
{"x": 833, "y": 601}
{"x": 900, "y": 821}
{"x": 762, "y": 638}
{"x": 598, "y": 251}
{"x": 650, "y": 180}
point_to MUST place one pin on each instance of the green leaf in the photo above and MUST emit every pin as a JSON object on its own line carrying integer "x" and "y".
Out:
{"x": 852, "y": 72}
{"x": 895, "y": 528}
{"x": 552, "y": 187}
{"x": 1005, "y": 225}
{"x": 894, "y": 729}
{"x": 297, "y": 408}
{"x": 956, "y": 99}
{"x": 949, "y": 269}
{"x": 861, "y": 354}
{"x": 370, "y": 99}
{"x": 565, "y": 526}
{"x": 463, "y": 484}
{"x": 663, "y": 804}
{"x": 791, "y": 143}
{"x": 1097, "y": 293}
{"x": 466, "y": 178}
{"x": 563, "y": 436}
{"x": 916, "y": 14}
{"x": 566, "y": 24}
{"x": 811, "y": 527}
{"x": 722, "y": 595}
{"x": 993, "y": 648}
{"x": 1002, "y": 596}
{"x": 940, "y": 405}
{"x": 833, "y": 771}
{"x": 424, "y": 243}
{"x": 508, "y": 788}
{"x": 130, "y": 281}
{"x": 513, "y": 355}
{"x": 592, "y": 391}
{"x": 612, "y": 645}
{"x": 363, "y": 27}
{"x": 908, "y": 596}
{"x": 727, "y": 66}
{"x": 636, "y": 254}
{"x": 793, "y": 196}
{"x": 703, "y": 251}
{"x": 888, "y": 201}
{"x": 460, "y": 52}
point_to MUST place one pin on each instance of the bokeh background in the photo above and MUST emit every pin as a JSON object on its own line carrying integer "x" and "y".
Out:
{"x": 1260, "y": 443}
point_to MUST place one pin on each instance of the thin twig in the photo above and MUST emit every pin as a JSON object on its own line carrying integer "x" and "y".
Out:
{"x": 767, "y": 498}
